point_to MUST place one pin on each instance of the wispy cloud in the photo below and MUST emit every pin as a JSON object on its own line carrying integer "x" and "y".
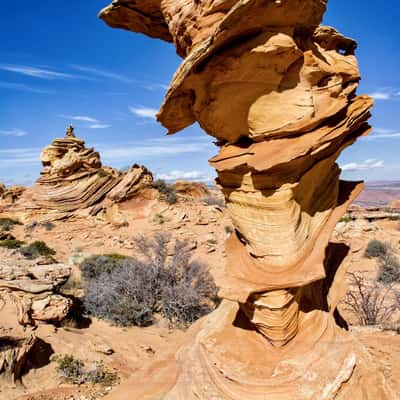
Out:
{"x": 94, "y": 123}
{"x": 363, "y": 166}
{"x": 144, "y": 112}
{"x": 153, "y": 148}
{"x": 35, "y": 72}
{"x": 381, "y": 95}
{"x": 25, "y": 88}
{"x": 184, "y": 175}
{"x": 383, "y": 133}
{"x": 80, "y": 118}
{"x": 13, "y": 132}
{"x": 99, "y": 126}
{"x": 101, "y": 72}
{"x": 19, "y": 157}
{"x": 156, "y": 86}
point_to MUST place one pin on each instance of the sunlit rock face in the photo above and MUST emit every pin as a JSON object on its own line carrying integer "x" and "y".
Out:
{"x": 73, "y": 178}
{"x": 278, "y": 92}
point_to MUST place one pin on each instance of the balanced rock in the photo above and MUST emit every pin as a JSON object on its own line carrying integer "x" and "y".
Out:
{"x": 278, "y": 92}
{"x": 73, "y": 178}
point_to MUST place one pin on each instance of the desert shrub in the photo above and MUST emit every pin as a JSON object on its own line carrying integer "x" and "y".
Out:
{"x": 11, "y": 243}
{"x": 37, "y": 249}
{"x": 168, "y": 193}
{"x": 6, "y": 224}
{"x": 376, "y": 248}
{"x": 228, "y": 229}
{"x": 159, "y": 219}
{"x": 93, "y": 266}
{"x": 73, "y": 370}
{"x": 214, "y": 201}
{"x": 370, "y": 302}
{"x": 102, "y": 173}
{"x": 389, "y": 269}
{"x": 346, "y": 219}
{"x": 48, "y": 225}
{"x": 152, "y": 283}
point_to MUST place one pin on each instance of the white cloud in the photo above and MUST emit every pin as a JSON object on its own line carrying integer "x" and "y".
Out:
{"x": 101, "y": 72}
{"x": 381, "y": 95}
{"x": 156, "y": 86}
{"x": 19, "y": 157}
{"x": 363, "y": 166}
{"x": 184, "y": 175}
{"x": 80, "y": 118}
{"x": 99, "y": 126}
{"x": 13, "y": 132}
{"x": 35, "y": 72}
{"x": 383, "y": 133}
{"x": 144, "y": 112}
{"x": 22, "y": 87}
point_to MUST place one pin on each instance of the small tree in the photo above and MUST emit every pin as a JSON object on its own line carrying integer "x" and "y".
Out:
{"x": 371, "y": 303}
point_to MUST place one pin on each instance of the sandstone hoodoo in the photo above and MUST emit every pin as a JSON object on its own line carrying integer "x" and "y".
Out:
{"x": 278, "y": 91}
{"x": 74, "y": 178}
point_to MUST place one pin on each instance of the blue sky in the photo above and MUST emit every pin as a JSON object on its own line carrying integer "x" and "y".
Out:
{"x": 60, "y": 64}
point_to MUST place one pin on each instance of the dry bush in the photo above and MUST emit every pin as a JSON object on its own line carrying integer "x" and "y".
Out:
{"x": 389, "y": 269}
{"x": 152, "y": 283}
{"x": 371, "y": 303}
{"x": 376, "y": 248}
{"x": 167, "y": 192}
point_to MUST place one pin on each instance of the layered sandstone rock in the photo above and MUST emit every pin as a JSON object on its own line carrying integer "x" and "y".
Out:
{"x": 28, "y": 296}
{"x": 191, "y": 190}
{"x": 73, "y": 178}
{"x": 278, "y": 92}
{"x": 11, "y": 195}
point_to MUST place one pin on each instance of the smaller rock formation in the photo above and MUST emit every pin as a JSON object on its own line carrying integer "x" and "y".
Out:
{"x": 28, "y": 296}
{"x": 74, "y": 178}
{"x": 10, "y": 195}
{"x": 192, "y": 190}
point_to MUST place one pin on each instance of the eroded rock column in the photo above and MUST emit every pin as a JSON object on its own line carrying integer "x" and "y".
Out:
{"x": 278, "y": 92}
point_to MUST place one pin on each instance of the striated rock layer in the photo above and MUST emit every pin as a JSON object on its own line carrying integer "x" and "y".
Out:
{"x": 28, "y": 296}
{"x": 73, "y": 178}
{"x": 278, "y": 92}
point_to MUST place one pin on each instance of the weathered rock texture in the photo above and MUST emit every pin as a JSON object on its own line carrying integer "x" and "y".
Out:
{"x": 278, "y": 92}
{"x": 28, "y": 295}
{"x": 73, "y": 178}
{"x": 10, "y": 195}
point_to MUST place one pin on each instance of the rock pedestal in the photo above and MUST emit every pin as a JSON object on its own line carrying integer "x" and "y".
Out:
{"x": 278, "y": 92}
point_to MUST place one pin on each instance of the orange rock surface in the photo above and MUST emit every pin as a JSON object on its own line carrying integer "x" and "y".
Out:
{"x": 278, "y": 92}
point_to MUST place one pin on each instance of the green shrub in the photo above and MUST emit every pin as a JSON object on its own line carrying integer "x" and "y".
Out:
{"x": 11, "y": 243}
{"x": 168, "y": 193}
{"x": 73, "y": 370}
{"x": 37, "y": 249}
{"x": 93, "y": 266}
{"x": 376, "y": 248}
{"x": 137, "y": 289}
{"x": 346, "y": 219}
{"x": 6, "y": 224}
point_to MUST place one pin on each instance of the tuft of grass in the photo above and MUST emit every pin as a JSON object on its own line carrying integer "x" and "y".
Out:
{"x": 37, "y": 249}
{"x": 11, "y": 243}
{"x": 6, "y": 224}
{"x": 159, "y": 219}
{"x": 73, "y": 370}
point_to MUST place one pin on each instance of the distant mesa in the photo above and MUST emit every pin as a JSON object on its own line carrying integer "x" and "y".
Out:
{"x": 73, "y": 178}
